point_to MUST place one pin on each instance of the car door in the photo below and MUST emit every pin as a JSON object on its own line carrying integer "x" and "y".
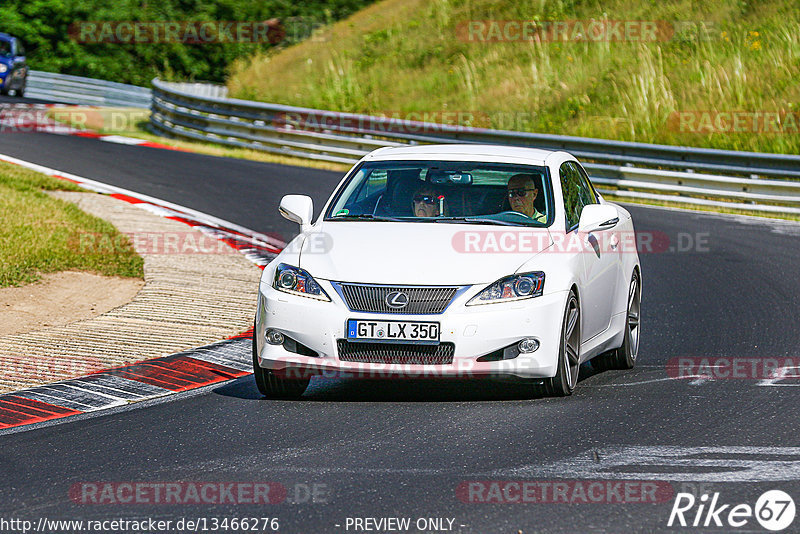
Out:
{"x": 600, "y": 262}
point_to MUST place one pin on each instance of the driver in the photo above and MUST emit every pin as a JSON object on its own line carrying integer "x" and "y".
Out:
{"x": 428, "y": 202}
{"x": 522, "y": 193}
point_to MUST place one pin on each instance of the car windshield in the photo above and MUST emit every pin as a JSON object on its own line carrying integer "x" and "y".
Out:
{"x": 446, "y": 191}
{"x": 5, "y": 48}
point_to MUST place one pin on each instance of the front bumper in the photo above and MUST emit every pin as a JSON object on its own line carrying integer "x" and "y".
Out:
{"x": 474, "y": 330}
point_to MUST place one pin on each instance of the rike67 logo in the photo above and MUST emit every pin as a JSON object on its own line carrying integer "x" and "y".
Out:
{"x": 774, "y": 510}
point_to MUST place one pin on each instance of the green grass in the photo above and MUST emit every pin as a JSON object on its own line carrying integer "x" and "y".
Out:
{"x": 41, "y": 234}
{"x": 105, "y": 120}
{"x": 402, "y": 56}
{"x": 214, "y": 149}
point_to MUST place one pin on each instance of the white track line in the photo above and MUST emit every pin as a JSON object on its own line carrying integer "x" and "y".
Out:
{"x": 101, "y": 187}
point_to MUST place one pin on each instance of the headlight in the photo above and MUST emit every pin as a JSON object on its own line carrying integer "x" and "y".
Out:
{"x": 516, "y": 287}
{"x": 3, "y": 68}
{"x": 297, "y": 282}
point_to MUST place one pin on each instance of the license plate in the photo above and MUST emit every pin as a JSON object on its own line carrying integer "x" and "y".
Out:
{"x": 402, "y": 331}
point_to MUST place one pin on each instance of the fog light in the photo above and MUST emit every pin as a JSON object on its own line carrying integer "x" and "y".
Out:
{"x": 274, "y": 337}
{"x": 528, "y": 345}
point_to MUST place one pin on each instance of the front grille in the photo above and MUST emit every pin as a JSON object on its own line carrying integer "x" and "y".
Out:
{"x": 396, "y": 353}
{"x": 421, "y": 300}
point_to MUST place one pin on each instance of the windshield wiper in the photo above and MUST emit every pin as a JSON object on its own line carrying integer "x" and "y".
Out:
{"x": 364, "y": 217}
{"x": 476, "y": 220}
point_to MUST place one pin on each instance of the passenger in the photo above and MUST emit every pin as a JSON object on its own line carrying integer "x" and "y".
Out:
{"x": 429, "y": 202}
{"x": 522, "y": 193}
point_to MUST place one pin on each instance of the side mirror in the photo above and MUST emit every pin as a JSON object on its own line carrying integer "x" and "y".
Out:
{"x": 598, "y": 217}
{"x": 299, "y": 209}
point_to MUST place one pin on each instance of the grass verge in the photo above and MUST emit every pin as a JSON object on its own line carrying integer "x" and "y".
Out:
{"x": 214, "y": 149}
{"x": 41, "y": 234}
{"x": 399, "y": 57}
{"x": 103, "y": 120}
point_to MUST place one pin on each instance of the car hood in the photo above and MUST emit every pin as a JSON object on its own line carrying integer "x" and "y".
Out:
{"x": 418, "y": 253}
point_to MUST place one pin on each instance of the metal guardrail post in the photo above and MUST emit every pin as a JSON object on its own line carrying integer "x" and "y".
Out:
{"x": 68, "y": 89}
{"x": 662, "y": 172}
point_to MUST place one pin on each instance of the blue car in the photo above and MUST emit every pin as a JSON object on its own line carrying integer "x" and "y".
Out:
{"x": 13, "y": 69}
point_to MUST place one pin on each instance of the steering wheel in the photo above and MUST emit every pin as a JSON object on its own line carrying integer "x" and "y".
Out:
{"x": 511, "y": 212}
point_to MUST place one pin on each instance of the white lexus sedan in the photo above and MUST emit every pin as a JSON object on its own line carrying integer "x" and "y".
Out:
{"x": 451, "y": 261}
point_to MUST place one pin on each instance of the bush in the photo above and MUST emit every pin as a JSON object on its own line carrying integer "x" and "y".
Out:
{"x": 44, "y": 28}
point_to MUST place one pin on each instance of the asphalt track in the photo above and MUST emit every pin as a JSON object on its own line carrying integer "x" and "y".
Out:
{"x": 400, "y": 449}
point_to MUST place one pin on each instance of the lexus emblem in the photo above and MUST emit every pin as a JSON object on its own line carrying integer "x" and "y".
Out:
{"x": 396, "y": 299}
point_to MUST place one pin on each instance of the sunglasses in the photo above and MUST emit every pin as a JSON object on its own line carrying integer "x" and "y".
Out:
{"x": 519, "y": 192}
{"x": 427, "y": 199}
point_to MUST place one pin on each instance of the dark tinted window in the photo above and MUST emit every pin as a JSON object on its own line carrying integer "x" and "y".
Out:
{"x": 577, "y": 192}
{"x": 589, "y": 183}
{"x": 458, "y": 189}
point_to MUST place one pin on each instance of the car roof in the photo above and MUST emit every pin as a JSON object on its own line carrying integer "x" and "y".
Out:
{"x": 6, "y": 37}
{"x": 463, "y": 152}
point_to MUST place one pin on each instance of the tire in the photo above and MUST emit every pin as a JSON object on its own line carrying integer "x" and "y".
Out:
{"x": 625, "y": 356}
{"x": 563, "y": 384}
{"x": 273, "y": 386}
{"x": 20, "y": 92}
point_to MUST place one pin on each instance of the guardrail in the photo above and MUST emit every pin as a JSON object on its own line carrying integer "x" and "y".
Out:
{"x": 743, "y": 180}
{"x": 85, "y": 91}
{"x": 199, "y": 88}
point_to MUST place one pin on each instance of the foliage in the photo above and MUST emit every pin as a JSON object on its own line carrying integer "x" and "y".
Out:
{"x": 44, "y": 26}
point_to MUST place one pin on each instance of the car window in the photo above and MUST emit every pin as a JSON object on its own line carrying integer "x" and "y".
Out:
{"x": 416, "y": 191}
{"x": 585, "y": 190}
{"x": 5, "y": 48}
{"x": 20, "y": 49}
{"x": 585, "y": 178}
{"x": 577, "y": 193}
{"x": 376, "y": 183}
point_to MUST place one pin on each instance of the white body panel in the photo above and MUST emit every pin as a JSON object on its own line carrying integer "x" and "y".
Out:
{"x": 410, "y": 254}
{"x": 390, "y": 253}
